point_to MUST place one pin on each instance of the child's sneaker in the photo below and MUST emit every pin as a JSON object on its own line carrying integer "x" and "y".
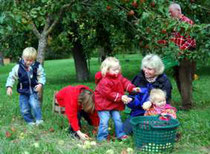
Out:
{"x": 31, "y": 123}
{"x": 124, "y": 137}
{"x": 38, "y": 122}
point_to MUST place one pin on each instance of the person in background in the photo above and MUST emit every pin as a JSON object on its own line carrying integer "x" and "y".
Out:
{"x": 185, "y": 42}
{"x": 31, "y": 79}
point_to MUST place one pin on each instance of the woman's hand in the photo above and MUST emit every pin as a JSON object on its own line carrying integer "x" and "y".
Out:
{"x": 137, "y": 89}
{"x": 126, "y": 99}
{"x": 82, "y": 136}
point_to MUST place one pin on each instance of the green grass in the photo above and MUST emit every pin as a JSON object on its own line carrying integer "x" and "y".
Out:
{"x": 194, "y": 129}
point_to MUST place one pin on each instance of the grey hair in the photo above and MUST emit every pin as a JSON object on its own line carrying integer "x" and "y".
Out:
{"x": 175, "y": 6}
{"x": 154, "y": 62}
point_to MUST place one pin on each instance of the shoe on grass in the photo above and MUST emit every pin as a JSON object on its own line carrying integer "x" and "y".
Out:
{"x": 31, "y": 123}
{"x": 123, "y": 138}
{"x": 39, "y": 122}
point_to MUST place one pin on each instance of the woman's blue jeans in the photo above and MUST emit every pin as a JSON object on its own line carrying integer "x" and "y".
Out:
{"x": 28, "y": 104}
{"x": 104, "y": 124}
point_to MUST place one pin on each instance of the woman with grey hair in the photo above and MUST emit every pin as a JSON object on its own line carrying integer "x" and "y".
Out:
{"x": 150, "y": 76}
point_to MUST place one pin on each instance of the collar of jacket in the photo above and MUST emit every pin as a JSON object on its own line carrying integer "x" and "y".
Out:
{"x": 113, "y": 76}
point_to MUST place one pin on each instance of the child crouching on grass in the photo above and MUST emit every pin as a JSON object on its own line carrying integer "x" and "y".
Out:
{"x": 31, "y": 78}
{"x": 78, "y": 102}
{"x": 110, "y": 98}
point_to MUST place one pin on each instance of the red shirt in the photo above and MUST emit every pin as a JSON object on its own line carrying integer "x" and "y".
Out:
{"x": 184, "y": 42}
{"x": 109, "y": 91}
{"x": 68, "y": 98}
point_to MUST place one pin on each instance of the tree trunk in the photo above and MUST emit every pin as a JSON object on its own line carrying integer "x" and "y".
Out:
{"x": 80, "y": 62}
{"x": 1, "y": 59}
{"x": 102, "y": 54}
{"x": 40, "y": 58}
{"x": 184, "y": 77}
{"x": 42, "y": 48}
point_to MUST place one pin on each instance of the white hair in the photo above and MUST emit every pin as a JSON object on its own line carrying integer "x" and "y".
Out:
{"x": 108, "y": 63}
{"x": 175, "y": 6}
{"x": 154, "y": 62}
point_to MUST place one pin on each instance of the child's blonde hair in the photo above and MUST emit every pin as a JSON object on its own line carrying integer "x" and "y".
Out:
{"x": 108, "y": 63}
{"x": 30, "y": 53}
{"x": 157, "y": 94}
{"x": 87, "y": 101}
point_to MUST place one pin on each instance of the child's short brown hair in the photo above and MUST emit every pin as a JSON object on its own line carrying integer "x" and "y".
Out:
{"x": 87, "y": 101}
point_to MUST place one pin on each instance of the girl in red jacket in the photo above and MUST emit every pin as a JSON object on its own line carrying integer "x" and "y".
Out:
{"x": 78, "y": 103}
{"x": 110, "y": 98}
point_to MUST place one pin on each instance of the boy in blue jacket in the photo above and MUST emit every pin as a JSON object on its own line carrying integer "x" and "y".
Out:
{"x": 31, "y": 78}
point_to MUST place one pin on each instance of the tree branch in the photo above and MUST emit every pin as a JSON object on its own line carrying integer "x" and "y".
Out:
{"x": 59, "y": 16}
{"x": 34, "y": 29}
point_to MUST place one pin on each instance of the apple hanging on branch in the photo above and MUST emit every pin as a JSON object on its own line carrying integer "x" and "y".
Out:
{"x": 131, "y": 13}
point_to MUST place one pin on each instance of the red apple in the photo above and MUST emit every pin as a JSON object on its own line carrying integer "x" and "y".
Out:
{"x": 152, "y": 4}
{"x": 134, "y": 4}
{"x": 163, "y": 42}
{"x": 51, "y": 130}
{"x": 108, "y": 7}
{"x": 131, "y": 13}
{"x": 142, "y": 1}
{"x": 163, "y": 31}
{"x": 8, "y": 134}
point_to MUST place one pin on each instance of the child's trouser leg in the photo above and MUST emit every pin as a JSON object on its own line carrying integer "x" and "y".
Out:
{"x": 127, "y": 126}
{"x": 103, "y": 125}
{"x": 118, "y": 123}
{"x": 25, "y": 108}
{"x": 35, "y": 105}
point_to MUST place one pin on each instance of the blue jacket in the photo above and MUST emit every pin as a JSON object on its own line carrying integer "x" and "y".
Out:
{"x": 27, "y": 80}
{"x": 138, "y": 100}
{"x": 162, "y": 82}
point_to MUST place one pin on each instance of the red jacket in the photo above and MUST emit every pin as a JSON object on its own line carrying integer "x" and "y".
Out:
{"x": 68, "y": 98}
{"x": 109, "y": 91}
{"x": 184, "y": 42}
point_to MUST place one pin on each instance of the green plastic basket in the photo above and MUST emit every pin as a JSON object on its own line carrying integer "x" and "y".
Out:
{"x": 154, "y": 135}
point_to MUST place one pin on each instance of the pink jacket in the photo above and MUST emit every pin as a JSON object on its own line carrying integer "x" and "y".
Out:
{"x": 168, "y": 110}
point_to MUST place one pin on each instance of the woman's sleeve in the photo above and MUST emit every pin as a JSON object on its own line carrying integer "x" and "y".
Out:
{"x": 135, "y": 81}
{"x": 167, "y": 88}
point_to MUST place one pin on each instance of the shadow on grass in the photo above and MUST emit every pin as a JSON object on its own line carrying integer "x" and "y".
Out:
{"x": 203, "y": 70}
